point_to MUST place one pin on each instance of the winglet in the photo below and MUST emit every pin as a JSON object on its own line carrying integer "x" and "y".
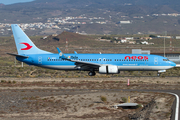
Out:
{"x": 61, "y": 54}
{"x": 58, "y": 50}
{"x": 75, "y": 52}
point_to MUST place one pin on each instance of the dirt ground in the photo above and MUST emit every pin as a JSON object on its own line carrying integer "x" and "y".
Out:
{"x": 85, "y": 98}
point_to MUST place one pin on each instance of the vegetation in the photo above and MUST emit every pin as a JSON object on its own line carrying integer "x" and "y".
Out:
{"x": 32, "y": 71}
{"x": 11, "y": 68}
{"x": 139, "y": 106}
{"x": 7, "y": 69}
{"x": 124, "y": 99}
{"x": 153, "y": 36}
{"x": 103, "y": 98}
{"x": 40, "y": 11}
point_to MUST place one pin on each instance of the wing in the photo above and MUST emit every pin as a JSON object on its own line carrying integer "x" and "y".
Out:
{"x": 85, "y": 65}
{"x": 80, "y": 64}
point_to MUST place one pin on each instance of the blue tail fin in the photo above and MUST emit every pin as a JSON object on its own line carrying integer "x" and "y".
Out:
{"x": 24, "y": 45}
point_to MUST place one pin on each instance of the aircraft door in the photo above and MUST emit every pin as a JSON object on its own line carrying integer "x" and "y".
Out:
{"x": 40, "y": 60}
{"x": 155, "y": 60}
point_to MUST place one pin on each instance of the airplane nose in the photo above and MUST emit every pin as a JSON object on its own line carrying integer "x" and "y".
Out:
{"x": 173, "y": 64}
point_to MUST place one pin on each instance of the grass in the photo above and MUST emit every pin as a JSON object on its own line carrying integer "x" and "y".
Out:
{"x": 124, "y": 99}
{"x": 32, "y": 72}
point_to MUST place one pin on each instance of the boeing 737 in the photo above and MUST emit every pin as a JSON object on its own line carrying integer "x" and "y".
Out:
{"x": 102, "y": 63}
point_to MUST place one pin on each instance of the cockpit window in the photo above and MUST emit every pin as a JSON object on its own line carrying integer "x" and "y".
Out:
{"x": 165, "y": 59}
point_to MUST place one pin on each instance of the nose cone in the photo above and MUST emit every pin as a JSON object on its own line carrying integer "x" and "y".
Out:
{"x": 173, "y": 64}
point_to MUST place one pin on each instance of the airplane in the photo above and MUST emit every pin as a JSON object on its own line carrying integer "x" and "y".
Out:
{"x": 102, "y": 63}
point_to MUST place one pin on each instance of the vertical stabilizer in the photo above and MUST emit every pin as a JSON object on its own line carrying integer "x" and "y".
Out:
{"x": 23, "y": 44}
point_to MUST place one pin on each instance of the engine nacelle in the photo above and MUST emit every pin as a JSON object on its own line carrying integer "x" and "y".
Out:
{"x": 108, "y": 69}
{"x": 161, "y": 71}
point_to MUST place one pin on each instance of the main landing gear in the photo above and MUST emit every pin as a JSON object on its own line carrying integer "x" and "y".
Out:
{"x": 159, "y": 72}
{"x": 91, "y": 73}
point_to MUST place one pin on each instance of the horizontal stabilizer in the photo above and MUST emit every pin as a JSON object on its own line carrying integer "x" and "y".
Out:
{"x": 17, "y": 55}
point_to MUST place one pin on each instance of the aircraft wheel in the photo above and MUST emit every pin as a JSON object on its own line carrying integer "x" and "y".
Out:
{"x": 158, "y": 74}
{"x": 91, "y": 73}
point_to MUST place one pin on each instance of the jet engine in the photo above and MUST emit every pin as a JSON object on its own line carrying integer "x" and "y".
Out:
{"x": 108, "y": 69}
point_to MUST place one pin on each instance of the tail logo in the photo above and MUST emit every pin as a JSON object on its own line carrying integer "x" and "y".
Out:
{"x": 27, "y": 46}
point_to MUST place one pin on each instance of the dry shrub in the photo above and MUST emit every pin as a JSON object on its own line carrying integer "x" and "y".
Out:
{"x": 103, "y": 98}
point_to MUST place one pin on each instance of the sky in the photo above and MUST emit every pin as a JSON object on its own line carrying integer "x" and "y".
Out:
{"x": 8, "y": 2}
